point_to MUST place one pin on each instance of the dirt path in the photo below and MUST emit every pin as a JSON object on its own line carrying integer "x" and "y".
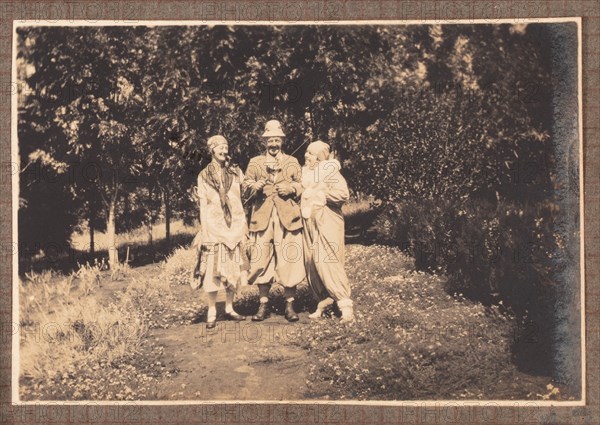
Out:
{"x": 234, "y": 361}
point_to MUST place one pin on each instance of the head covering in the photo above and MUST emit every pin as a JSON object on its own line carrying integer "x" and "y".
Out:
{"x": 215, "y": 141}
{"x": 321, "y": 149}
{"x": 273, "y": 129}
{"x": 220, "y": 177}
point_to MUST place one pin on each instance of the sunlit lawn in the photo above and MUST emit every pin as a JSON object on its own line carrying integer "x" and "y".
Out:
{"x": 410, "y": 340}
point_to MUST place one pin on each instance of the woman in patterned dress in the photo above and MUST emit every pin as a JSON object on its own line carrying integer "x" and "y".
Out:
{"x": 223, "y": 229}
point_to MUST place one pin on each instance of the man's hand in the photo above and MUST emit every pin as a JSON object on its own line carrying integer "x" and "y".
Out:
{"x": 284, "y": 189}
{"x": 258, "y": 185}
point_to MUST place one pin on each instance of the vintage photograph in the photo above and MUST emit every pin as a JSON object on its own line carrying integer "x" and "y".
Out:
{"x": 362, "y": 211}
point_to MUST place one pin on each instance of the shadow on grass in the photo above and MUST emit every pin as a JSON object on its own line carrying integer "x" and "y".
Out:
{"x": 360, "y": 227}
{"x": 139, "y": 255}
{"x": 247, "y": 302}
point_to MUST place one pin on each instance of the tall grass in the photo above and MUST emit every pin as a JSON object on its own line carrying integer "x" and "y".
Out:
{"x": 64, "y": 328}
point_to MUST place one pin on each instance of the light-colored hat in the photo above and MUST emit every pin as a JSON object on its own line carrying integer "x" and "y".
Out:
{"x": 215, "y": 141}
{"x": 273, "y": 129}
{"x": 321, "y": 148}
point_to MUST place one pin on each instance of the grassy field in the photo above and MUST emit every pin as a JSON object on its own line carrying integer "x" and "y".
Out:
{"x": 84, "y": 336}
{"x": 119, "y": 335}
{"x": 410, "y": 340}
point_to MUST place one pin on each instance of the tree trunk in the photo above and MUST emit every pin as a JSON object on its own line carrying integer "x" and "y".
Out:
{"x": 149, "y": 217}
{"x": 91, "y": 229}
{"x": 113, "y": 254}
{"x": 167, "y": 215}
{"x": 126, "y": 204}
{"x": 149, "y": 231}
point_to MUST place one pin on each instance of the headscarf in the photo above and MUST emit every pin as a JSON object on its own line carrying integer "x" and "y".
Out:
{"x": 321, "y": 148}
{"x": 210, "y": 174}
{"x": 215, "y": 141}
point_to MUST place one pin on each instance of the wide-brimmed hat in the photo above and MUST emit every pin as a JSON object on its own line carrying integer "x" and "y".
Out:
{"x": 273, "y": 129}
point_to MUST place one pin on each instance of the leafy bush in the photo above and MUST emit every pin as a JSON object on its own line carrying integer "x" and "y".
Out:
{"x": 390, "y": 225}
{"x": 488, "y": 251}
{"x": 467, "y": 180}
{"x": 178, "y": 267}
{"x": 499, "y": 252}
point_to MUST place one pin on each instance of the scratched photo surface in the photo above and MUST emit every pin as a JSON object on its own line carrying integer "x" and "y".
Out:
{"x": 367, "y": 212}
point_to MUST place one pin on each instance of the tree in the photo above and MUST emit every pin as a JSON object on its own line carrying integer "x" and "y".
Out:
{"x": 97, "y": 116}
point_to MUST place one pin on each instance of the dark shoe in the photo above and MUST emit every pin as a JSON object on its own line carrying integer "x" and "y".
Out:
{"x": 234, "y": 316}
{"x": 262, "y": 313}
{"x": 210, "y": 324}
{"x": 290, "y": 314}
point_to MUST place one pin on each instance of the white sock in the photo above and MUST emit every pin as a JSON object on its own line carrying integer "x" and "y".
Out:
{"x": 244, "y": 278}
{"x": 212, "y": 306}
{"x": 212, "y": 313}
{"x": 229, "y": 302}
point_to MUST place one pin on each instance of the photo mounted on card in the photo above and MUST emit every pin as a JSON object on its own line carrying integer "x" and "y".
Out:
{"x": 357, "y": 211}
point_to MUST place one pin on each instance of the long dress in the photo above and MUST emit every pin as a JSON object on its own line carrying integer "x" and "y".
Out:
{"x": 325, "y": 191}
{"x": 222, "y": 259}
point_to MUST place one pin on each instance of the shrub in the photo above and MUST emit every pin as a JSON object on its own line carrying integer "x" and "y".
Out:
{"x": 490, "y": 251}
{"x": 467, "y": 186}
{"x": 178, "y": 267}
{"x": 390, "y": 225}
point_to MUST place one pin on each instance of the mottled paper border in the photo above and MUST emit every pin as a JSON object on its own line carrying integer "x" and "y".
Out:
{"x": 132, "y": 12}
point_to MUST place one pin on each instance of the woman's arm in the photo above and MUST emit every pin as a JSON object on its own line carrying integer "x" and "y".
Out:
{"x": 337, "y": 189}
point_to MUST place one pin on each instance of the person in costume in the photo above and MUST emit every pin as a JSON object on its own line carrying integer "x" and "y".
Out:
{"x": 223, "y": 229}
{"x": 324, "y": 192}
{"x": 273, "y": 186}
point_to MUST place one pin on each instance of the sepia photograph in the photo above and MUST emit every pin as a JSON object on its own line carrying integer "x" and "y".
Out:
{"x": 378, "y": 211}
